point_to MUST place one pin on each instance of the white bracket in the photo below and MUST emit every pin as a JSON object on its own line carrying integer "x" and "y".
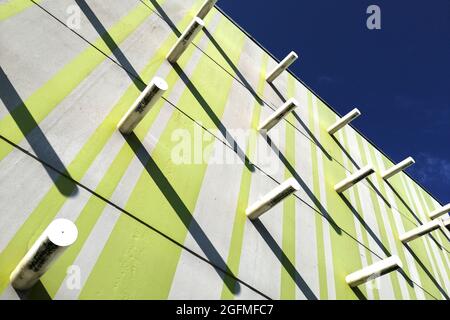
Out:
{"x": 446, "y": 223}
{"x": 419, "y": 231}
{"x": 349, "y": 117}
{"x": 59, "y": 235}
{"x": 354, "y": 179}
{"x": 206, "y": 8}
{"x": 283, "y": 65}
{"x": 279, "y": 114}
{"x": 185, "y": 39}
{"x": 397, "y": 168}
{"x": 440, "y": 212}
{"x": 142, "y": 105}
{"x": 274, "y": 197}
{"x": 373, "y": 271}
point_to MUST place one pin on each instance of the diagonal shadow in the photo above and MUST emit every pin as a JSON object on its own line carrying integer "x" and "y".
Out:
{"x": 284, "y": 260}
{"x": 37, "y": 292}
{"x": 217, "y": 122}
{"x": 241, "y": 77}
{"x": 312, "y": 136}
{"x": 302, "y": 124}
{"x": 359, "y": 293}
{"x": 302, "y": 183}
{"x": 365, "y": 225}
{"x": 347, "y": 154}
{"x": 34, "y": 135}
{"x": 399, "y": 197}
{"x": 424, "y": 268}
{"x": 180, "y": 208}
{"x": 164, "y": 16}
{"x": 419, "y": 222}
{"x": 112, "y": 45}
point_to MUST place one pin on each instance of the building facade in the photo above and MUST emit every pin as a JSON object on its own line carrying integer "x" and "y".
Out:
{"x": 161, "y": 212}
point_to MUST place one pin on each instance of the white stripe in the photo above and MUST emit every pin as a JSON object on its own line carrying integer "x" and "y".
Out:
{"x": 221, "y": 184}
{"x": 358, "y": 226}
{"x": 443, "y": 271}
{"x": 323, "y": 198}
{"x": 387, "y": 224}
{"x": 94, "y": 245}
{"x": 400, "y": 230}
{"x": 425, "y": 241}
{"x": 368, "y": 214}
{"x": 306, "y": 253}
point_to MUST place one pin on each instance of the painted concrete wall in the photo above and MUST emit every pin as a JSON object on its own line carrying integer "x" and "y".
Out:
{"x": 150, "y": 228}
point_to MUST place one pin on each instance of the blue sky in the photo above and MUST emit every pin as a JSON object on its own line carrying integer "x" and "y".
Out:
{"x": 397, "y": 76}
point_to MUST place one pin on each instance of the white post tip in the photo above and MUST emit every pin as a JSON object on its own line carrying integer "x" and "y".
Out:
{"x": 59, "y": 235}
{"x": 419, "y": 231}
{"x": 282, "y": 66}
{"x": 185, "y": 39}
{"x": 354, "y": 178}
{"x": 397, "y": 168}
{"x": 272, "y": 198}
{"x": 440, "y": 212}
{"x": 349, "y": 117}
{"x": 206, "y": 8}
{"x": 279, "y": 114}
{"x": 373, "y": 271}
{"x": 146, "y": 100}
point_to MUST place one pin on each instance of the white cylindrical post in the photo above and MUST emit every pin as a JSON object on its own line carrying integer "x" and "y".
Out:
{"x": 397, "y": 168}
{"x": 446, "y": 223}
{"x": 349, "y": 117}
{"x": 440, "y": 212}
{"x": 206, "y": 8}
{"x": 354, "y": 179}
{"x": 275, "y": 196}
{"x": 183, "y": 41}
{"x": 373, "y": 271}
{"x": 283, "y": 65}
{"x": 59, "y": 235}
{"x": 142, "y": 105}
{"x": 419, "y": 231}
{"x": 279, "y": 114}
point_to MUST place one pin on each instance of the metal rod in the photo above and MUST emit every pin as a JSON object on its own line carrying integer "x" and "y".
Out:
{"x": 271, "y": 199}
{"x": 349, "y": 117}
{"x": 279, "y": 114}
{"x": 282, "y": 66}
{"x": 397, "y": 168}
{"x": 183, "y": 41}
{"x": 354, "y": 179}
{"x": 146, "y": 100}
{"x": 373, "y": 271}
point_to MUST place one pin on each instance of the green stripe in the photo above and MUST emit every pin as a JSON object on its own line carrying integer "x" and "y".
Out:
{"x": 165, "y": 195}
{"x": 338, "y": 211}
{"x": 389, "y": 213}
{"x": 13, "y": 7}
{"x": 394, "y": 276}
{"x": 318, "y": 219}
{"x": 54, "y": 200}
{"x": 440, "y": 254}
{"x": 288, "y": 239}
{"x": 419, "y": 248}
{"x": 240, "y": 219}
{"x": 94, "y": 208}
{"x": 47, "y": 97}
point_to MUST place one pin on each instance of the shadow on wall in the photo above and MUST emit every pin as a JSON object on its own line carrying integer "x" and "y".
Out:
{"x": 180, "y": 209}
{"x": 112, "y": 45}
{"x": 210, "y": 112}
{"x": 37, "y": 292}
{"x": 34, "y": 136}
